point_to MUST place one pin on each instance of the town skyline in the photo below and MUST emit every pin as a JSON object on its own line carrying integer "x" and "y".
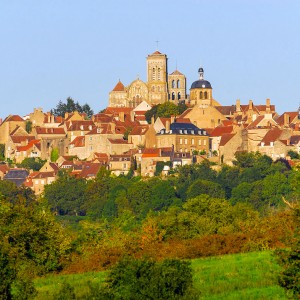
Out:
{"x": 55, "y": 50}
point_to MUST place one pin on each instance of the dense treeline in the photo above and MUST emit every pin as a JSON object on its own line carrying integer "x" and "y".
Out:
{"x": 197, "y": 211}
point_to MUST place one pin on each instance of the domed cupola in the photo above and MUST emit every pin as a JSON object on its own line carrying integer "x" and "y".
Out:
{"x": 201, "y": 91}
{"x": 201, "y": 83}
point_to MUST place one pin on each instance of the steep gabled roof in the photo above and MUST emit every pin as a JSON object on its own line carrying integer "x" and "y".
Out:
{"x": 292, "y": 115}
{"x": 226, "y": 138}
{"x": 271, "y": 136}
{"x": 119, "y": 87}
{"x": 13, "y": 118}
{"x": 79, "y": 141}
{"x": 226, "y": 110}
{"x": 139, "y": 130}
{"x": 18, "y": 139}
{"x": 176, "y": 72}
{"x": 53, "y": 130}
{"x": 30, "y": 145}
{"x": 221, "y": 130}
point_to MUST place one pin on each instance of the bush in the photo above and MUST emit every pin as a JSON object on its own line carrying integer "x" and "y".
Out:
{"x": 147, "y": 279}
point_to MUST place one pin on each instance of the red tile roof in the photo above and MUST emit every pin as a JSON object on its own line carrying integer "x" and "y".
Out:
{"x": 13, "y": 118}
{"x": 30, "y": 145}
{"x": 119, "y": 87}
{"x": 156, "y": 52}
{"x": 139, "y": 130}
{"x": 79, "y": 141}
{"x": 41, "y": 175}
{"x": 84, "y": 125}
{"x": 118, "y": 141}
{"x": 18, "y": 139}
{"x": 226, "y": 138}
{"x": 220, "y": 130}
{"x": 55, "y": 130}
{"x": 185, "y": 113}
{"x": 271, "y": 136}
{"x": 292, "y": 115}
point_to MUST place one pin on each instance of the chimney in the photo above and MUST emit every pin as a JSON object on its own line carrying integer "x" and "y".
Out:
{"x": 168, "y": 126}
{"x": 52, "y": 119}
{"x": 132, "y": 116}
{"x": 238, "y": 105}
{"x": 152, "y": 120}
{"x": 268, "y": 105}
{"x": 172, "y": 119}
{"x": 250, "y": 105}
{"x": 121, "y": 116}
{"x": 48, "y": 114}
{"x": 286, "y": 120}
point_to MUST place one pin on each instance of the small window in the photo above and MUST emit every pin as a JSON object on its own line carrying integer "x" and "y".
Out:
{"x": 178, "y": 83}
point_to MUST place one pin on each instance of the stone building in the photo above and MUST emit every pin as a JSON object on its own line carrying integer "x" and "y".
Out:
{"x": 159, "y": 87}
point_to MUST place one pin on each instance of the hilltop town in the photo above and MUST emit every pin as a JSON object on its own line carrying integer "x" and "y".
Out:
{"x": 122, "y": 140}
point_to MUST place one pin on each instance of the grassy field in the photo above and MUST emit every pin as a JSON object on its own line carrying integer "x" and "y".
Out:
{"x": 239, "y": 276}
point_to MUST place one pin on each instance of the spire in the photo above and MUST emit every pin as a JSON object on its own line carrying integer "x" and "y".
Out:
{"x": 201, "y": 73}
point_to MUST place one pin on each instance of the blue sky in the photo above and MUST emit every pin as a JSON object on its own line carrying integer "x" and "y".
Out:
{"x": 52, "y": 49}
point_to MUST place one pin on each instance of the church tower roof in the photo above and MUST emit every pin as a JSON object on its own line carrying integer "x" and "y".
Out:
{"x": 119, "y": 87}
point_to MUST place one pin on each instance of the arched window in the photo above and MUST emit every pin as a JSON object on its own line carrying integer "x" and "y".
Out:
{"x": 173, "y": 84}
{"x": 179, "y": 96}
{"x": 153, "y": 74}
{"x": 201, "y": 95}
{"x": 173, "y": 96}
{"x": 205, "y": 95}
{"x": 178, "y": 83}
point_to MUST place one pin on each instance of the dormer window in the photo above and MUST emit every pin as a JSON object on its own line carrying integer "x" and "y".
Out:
{"x": 185, "y": 131}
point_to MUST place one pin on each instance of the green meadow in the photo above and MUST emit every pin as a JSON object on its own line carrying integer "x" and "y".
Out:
{"x": 239, "y": 276}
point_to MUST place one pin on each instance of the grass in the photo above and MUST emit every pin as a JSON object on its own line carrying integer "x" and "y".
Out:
{"x": 239, "y": 276}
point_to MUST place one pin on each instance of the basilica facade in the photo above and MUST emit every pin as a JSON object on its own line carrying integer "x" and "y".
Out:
{"x": 159, "y": 88}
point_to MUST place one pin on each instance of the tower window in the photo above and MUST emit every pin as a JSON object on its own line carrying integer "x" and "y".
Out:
{"x": 201, "y": 95}
{"x": 205, "y": 95}
{"x": 178, "y": 84}
{"x": 153, "y": 74}
{"x": 179, "y": 96}
{"x": 173, "y": 96}
{"x": 173, "y": 84}
{"x": 158, "y": 74}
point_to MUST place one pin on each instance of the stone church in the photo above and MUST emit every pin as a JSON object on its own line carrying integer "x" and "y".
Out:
{"x": 159, "y": 88}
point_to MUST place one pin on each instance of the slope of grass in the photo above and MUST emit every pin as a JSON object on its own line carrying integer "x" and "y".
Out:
{"x": 238, "y": 276}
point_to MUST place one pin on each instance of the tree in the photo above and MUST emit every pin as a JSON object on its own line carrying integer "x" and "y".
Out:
{"x": 147, "y": 279}
{"x": 66, "y": 195}
{"x": 293, "y": 154}
{"x": 28, "y": 126}
{"x": 2, "y": 152}
{"x": 54, "y": 155}
{"x": 167, "y": 109}
{"x": 32, "y": 163}
{"x": 201, "y": 186}
{"x": 71, "y": 106}
{"x": 290, "y": 261}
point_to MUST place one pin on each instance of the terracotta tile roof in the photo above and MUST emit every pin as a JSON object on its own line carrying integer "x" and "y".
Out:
{"x": 226, "y": 110}
{"x": 262, "y": 108}
{"x": 185, "y": 113}
{"x": 101, "y": 156}
{"x": 156, "y": 52}
{"x": 227, "y": 122}
{"x": 30, "y": 145}
{"x": 295, "y": 139}
{"x": 220, "y": 130}
{"x": 4, "y": 168}
{"x": 42, "y": 175}
{"x": 102, "y": 129}
{"x": 182, "y": 120}
{"x": 53, "y": 130}
{"x": 256, "y": 122}
{"x": 119, "y": 87}
{"x": 292, "y": 115}
{"x": 139, "y": 130}
{"x": 54, "y": 166}
{"x": 102, "y": 118}
{"x": 79, "y": 141}
{"x": 18, "y": 139}
{"x": 226, "y": 138}
{"x": 118, "y": 141}
{"x": 176, "y": 72}
{"x": 271, "y": 136}
{"x": 85, "y": 125}
{"x": 90, "y": 170}
{"x": 120, "y": 157}
{"x": 117, "y": 110}
{"x": 13, "y": 118}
